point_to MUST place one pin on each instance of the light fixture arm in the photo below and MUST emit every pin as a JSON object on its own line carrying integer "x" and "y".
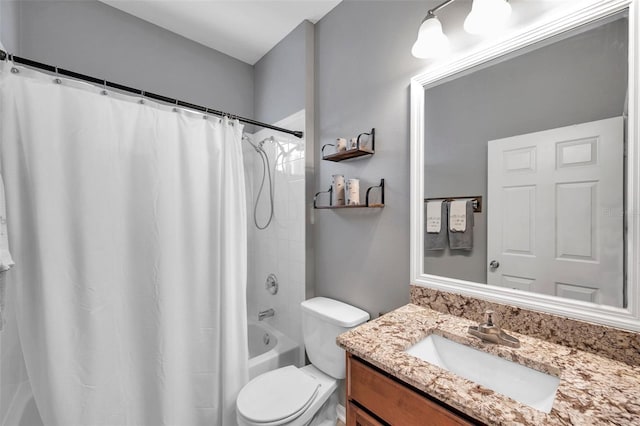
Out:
{"x": 431, "y": 12}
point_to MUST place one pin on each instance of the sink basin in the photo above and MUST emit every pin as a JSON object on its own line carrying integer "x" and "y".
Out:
{"x": 524, "y": 384}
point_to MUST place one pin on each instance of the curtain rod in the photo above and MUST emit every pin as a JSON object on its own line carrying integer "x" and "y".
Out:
{"x": 60, "y": 71}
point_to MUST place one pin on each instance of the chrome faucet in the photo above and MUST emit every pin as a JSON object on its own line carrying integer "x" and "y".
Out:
{"x": 489, "y": 332}
{"x": 266, "y": 314}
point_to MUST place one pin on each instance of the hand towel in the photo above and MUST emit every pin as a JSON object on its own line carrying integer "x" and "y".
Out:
{"x": 434, "y": 217}
{"x": 462, "y": 240}
{"x": 458, "y": 216}
{"x": 433, "y": 241}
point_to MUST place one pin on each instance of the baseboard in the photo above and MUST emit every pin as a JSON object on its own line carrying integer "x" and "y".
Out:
{"x": 342, "y": 413}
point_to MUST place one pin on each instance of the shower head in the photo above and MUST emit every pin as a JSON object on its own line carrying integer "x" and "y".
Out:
{"x": 269, "y": 139}
{"x": 248, "y": 139}
{"x": 258, "y": 147}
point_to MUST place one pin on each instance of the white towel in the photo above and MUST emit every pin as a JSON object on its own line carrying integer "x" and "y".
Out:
{"x": 458, "y": 216}
{"x": 434, "y": 217}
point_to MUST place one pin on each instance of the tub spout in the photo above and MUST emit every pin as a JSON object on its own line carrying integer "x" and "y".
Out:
{"x": 266, "y": 314}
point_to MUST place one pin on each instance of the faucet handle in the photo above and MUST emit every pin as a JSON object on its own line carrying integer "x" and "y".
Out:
{"x": 489, "y": 317}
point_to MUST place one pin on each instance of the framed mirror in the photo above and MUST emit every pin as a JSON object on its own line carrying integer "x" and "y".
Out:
{"x": 525, "y": 169}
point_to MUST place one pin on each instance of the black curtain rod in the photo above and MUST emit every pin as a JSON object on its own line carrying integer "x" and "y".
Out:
{"x": 60, "y": 71}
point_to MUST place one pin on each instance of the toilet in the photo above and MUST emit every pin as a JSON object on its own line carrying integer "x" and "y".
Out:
{"x": 292, "y": 396}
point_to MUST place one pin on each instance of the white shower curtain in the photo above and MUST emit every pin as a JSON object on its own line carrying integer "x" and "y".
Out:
{"x": 128, "y": 228}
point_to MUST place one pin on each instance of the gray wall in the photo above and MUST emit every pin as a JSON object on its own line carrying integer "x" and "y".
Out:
{"x": 284, "y": 83}
{"x": 8, "y": 27}
{"x": 95, "y": 39}
{"x": 577, "y": 80}
{"x": 363, "y": 70}
{"x": 280, "y": 77}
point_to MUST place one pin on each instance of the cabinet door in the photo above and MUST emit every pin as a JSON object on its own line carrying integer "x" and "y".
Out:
{"x": 359, "y": 417}
{"x": 393, "y": 402}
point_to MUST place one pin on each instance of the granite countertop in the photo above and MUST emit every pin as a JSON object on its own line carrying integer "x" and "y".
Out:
{"x": 593, "y": 389}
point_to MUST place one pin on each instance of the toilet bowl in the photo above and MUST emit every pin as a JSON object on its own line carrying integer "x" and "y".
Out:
{"x": 293, "y": 396}
{"x": 287, "y": 396}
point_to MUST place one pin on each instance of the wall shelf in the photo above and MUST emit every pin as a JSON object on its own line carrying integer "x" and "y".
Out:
{"x": 366, "y": 205}
{"x": 347, "y": 155}
{"x": 356, "y": 152}
{"x": 361, "y": 206}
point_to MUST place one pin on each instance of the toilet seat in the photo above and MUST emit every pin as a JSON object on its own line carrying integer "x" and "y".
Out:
{"x": 277, "y": 397}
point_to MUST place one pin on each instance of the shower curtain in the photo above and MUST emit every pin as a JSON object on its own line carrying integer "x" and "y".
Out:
{"x": 128, "y": 228}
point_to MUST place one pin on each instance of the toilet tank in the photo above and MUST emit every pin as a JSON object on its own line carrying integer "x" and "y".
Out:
{"x": 323, "y": 320}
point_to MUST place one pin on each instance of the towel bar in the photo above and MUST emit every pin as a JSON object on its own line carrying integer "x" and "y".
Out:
{"x": 477, "y": 201}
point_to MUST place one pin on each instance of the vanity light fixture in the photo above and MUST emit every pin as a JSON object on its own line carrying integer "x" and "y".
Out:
{"x": 486, "y": 16}
{"x": 431, "y": 41}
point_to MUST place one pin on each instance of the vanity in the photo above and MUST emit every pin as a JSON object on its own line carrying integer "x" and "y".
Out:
{"x": 386, "y": 385}
{"x": 540, "y": 128}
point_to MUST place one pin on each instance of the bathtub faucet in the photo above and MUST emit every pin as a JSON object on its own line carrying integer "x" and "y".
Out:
{"x": 266, "y": 314}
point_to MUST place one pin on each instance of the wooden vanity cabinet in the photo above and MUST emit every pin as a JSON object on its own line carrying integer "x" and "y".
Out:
{"x": 356, "y": 416}
{"x": 376, "y": 399}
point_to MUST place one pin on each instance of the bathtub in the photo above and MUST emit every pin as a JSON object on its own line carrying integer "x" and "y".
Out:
{"x": 269, "y": 349}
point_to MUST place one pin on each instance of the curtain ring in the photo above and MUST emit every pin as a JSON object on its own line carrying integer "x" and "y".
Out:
{"x": 141, "y": 101}
{"x": 57, "y": 80}
{"x": 104, "y": 88}
{"x": 14, "y": 69}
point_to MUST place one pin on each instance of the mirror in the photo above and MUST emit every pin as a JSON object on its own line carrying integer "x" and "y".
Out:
{"x": 534, "y": 132}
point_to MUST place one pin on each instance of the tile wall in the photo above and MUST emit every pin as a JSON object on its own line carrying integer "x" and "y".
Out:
{"x": 280, "y": 248}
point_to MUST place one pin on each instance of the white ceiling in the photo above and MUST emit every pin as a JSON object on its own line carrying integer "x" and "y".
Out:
{"x": 244, "y": 29}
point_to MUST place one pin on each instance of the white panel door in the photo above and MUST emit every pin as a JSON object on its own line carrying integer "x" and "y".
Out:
{"x": 555, "y": 212}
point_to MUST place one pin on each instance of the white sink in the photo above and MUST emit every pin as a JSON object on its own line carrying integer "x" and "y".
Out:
{"x": 524, "y": 384}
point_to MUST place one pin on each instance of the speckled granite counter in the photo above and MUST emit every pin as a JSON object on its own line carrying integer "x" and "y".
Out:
{"x": 614, "y": 343}
{"x": 593, "y": 389}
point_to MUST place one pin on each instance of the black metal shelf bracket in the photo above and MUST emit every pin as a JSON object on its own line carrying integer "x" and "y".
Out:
{"x": 373, "y": 139}
{"x": 381, "y": 186}
{"x": 315, "y": 197}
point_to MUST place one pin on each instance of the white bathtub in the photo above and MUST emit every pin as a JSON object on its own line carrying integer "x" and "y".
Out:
{"x": 269, "y": 349}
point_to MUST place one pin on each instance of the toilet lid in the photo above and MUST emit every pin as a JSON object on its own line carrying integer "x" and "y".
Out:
{"x": 277, "y": 395}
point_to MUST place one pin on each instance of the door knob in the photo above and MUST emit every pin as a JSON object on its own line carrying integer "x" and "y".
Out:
{"x": 494, "y": 264}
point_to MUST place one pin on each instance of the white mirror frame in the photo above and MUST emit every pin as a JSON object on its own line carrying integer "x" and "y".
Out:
{"x": 589, "y": 11}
